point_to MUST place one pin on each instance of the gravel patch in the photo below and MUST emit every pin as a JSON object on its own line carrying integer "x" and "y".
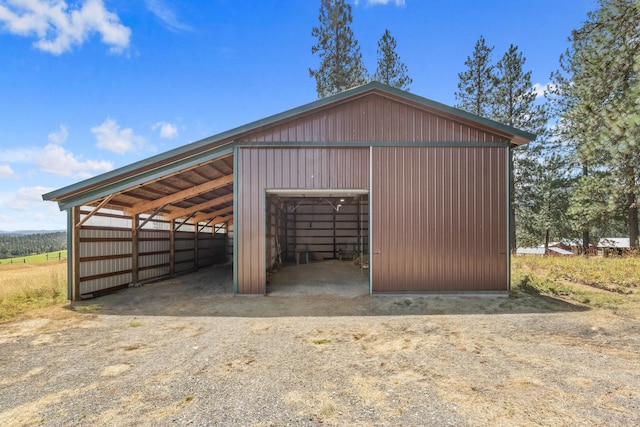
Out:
{"x": 187, "y": 352}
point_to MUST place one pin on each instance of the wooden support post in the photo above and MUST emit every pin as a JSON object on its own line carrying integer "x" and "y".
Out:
{"x": 359, "y": 225}
{"x": 135, "y": 219}
{"x": 269, "y": 236}
{"x": 172, "y": 247}
{"x": 196, "y": 261}
{"x": 75, "y": 253}
{"x": 335, "y": 243}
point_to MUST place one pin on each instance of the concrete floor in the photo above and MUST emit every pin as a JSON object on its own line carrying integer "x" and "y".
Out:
{"x": 331, "y": 277}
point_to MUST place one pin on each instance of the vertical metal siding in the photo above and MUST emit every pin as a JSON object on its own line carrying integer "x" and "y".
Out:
{"x": 284, "y": 168}
{"x": 377, "y": 119}
{"x": 438, "y": 219}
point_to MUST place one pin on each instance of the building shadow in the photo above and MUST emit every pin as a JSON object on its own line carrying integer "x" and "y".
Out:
{"x": 209, "y": 292}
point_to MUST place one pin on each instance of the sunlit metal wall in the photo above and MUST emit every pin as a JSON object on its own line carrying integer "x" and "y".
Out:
{"x": 439, "y": 219}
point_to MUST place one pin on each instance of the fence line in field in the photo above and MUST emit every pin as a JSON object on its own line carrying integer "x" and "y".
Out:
{"x": 23, "y": 260}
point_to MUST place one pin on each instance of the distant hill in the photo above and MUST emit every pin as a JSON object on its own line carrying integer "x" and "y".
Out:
{"x": 27, "y": 232}
{"x": 16, "y": 244}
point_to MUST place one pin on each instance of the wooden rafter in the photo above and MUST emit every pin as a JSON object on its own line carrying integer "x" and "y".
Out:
{"x": 181, "y": 224}
{"x": 139, "y": 208}
{"x": 155, "y": 212}
{"x": 178, "y": 213}
{"x": 96, "y": 209}
{"x": 208, "y": 216}
{"x": 222, "y": 219}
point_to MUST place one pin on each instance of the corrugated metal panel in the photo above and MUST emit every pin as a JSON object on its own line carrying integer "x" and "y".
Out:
{"x": 439, "y": 219}
{"x": 106, "y": 256}
{"x": 105, "y": 259}
{"x": 377, "y": 119}
{"x": 283, "y": 168}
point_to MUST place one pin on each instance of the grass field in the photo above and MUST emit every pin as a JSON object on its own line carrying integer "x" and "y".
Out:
{"x": 51, "y": 256}
{"x": 610, "y": 283}
{"x": 31, "y": 285}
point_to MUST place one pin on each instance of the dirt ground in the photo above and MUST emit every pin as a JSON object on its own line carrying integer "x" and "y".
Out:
{"x": 187, "y": 352}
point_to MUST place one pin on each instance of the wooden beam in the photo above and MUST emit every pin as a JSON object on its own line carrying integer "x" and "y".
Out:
{"x": 208, "y": 216}
{"x": 222, "y": 219}
{"x": 183, "y": 222}
{"x": 146, "y": 206}
{"x": 172, "y": 247}
{"x": 96, "y": 209}
{"x": 75, "y": 253}
{"x": 150, "y": 217}
{"x": 182, "y": 212}
{"x": 135, "y": 221}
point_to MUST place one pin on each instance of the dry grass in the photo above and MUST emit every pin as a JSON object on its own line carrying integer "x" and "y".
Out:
{"x": 600, "y": 282}
{"x": 25, "y": 287}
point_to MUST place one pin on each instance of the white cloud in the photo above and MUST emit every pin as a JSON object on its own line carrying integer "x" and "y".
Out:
{"x": 21, "y": 209}
{"x": 20, "y": 155}
{"x": 167, "y": 130}
{"x": 56, "y": 160}
{"x": 168, "y": 17}
{"x": 540, "y": 89}
{"x": 111, "y": 137}
{"x": 60, "y": 136}
{"x": 381, "y": 2}
{"x": 27, "y": 197}
{"x": 59, "y": 27}
{"x": 6, "y": 171}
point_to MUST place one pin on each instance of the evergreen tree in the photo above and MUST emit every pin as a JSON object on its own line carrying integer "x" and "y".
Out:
{"x": 341, "y": 66}
{"x": 597, "y": 97}
{"x": 513, "y": 103}
{"x": 391, "y": 70}
{"x": 543, "y": 208}
{"x": 477, "y": 83}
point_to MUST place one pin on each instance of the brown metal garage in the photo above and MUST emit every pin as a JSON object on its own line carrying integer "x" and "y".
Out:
{"x": 426, "y": 186}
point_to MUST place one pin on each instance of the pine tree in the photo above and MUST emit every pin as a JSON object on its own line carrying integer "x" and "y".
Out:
{"x": 391, "y": 70}
{"x": 477, "y": 83}
{"x": 341, "y": 65}
{"x": 598, "y": 91}
{"x": 513, "y": 103}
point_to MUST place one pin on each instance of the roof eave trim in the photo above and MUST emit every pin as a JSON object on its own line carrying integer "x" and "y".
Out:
{"x": 130, "y": 182}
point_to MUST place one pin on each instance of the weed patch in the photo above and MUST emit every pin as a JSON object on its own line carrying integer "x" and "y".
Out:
{"x": 593, "y": 281}
{"x": 31, "y": 286}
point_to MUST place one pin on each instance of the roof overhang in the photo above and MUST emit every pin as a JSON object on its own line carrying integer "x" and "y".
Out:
{"x": 178, "y": 183}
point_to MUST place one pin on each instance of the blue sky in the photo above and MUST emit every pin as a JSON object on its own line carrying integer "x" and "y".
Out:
{"x": 87, "y": 86}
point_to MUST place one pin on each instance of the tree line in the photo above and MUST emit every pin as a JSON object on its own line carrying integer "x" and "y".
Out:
{"x": 17, "y": 246}
{"x": 580, "y": 177}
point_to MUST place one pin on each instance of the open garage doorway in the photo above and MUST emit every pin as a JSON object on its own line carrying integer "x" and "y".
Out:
{"x": 317, "y": 242}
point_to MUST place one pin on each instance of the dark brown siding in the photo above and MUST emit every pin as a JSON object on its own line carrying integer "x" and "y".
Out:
{"x": 284, "y": 168}
{"x": 377, "y": 119}
{"x": 439, "y": 219}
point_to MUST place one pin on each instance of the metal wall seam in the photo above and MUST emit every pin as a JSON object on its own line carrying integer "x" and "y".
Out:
{"x": 370, "y": 209}
{"x": 365, "y": 144}
{"x": 236, "y": 219}
{"x": 509, "y": 168}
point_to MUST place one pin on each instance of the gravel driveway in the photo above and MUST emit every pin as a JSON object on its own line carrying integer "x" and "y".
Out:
{"x": 186, "y": 352}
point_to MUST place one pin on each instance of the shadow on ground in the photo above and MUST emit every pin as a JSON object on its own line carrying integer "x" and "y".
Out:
{"x": 303, "y": 291}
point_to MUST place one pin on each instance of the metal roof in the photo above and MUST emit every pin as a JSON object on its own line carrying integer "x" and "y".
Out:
{"x": 197, "y": 178}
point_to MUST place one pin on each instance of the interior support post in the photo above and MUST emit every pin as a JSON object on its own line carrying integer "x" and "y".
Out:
{"x": 135, "y": 219}
{"x": 196, "y": 261}
{"x": 269, "y": 236}
{"x": 75, "y": 254}
{"x": 172, "y": 247}
{"x": 335, "y": 241}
